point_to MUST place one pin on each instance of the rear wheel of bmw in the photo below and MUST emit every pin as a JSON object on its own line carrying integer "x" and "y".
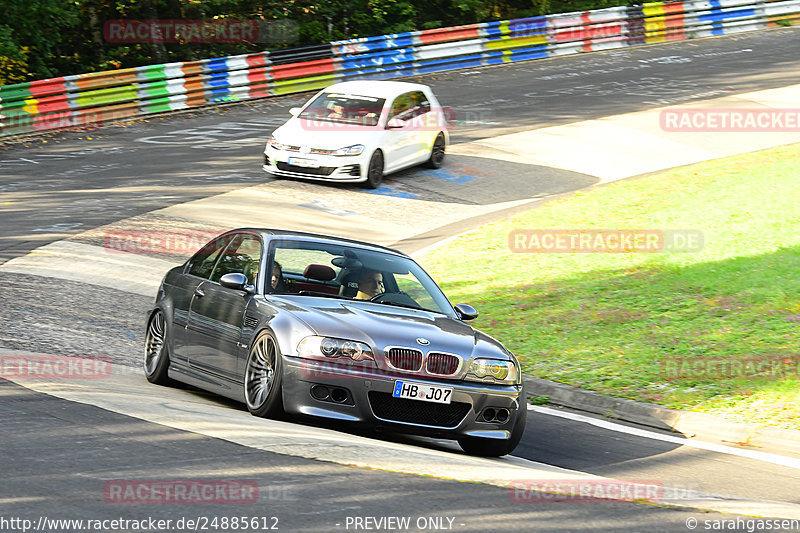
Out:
{"x": 437, "y": 152}
{"x": 375, "y": 171}
{"x": 494, "y": 447}
{"x": 156, "y": 350}
{"x": 262, "y": 377}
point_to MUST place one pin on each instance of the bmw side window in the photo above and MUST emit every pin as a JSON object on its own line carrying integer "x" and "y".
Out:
{"x": 203, "y": 261}
{"x": 243, "y": 256}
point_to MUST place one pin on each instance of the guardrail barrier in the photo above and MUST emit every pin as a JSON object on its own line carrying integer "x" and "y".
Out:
{"x": 87, "y": 99}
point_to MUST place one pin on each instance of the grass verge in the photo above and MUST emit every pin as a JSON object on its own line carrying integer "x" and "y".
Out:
{"x": 714, "y": 330}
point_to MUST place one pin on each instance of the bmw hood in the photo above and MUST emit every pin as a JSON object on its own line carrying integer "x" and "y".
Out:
{"x": 382, "y": 326}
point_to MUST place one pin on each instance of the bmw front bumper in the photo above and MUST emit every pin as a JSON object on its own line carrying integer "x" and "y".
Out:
{"x": 364, "y": 396}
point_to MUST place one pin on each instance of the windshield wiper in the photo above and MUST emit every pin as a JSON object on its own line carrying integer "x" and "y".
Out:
{"x": 320, "y": 294}
{"x": 406, "y": 306}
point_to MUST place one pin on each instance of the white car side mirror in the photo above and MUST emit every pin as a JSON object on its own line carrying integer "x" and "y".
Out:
{"x": 395, "y": 123}
{"x": 295, "y": 111}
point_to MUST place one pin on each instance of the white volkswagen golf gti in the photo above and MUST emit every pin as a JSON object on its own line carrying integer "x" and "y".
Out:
{"x": 359, "y": 131}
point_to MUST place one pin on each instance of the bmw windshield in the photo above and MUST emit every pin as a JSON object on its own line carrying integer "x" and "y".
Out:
{"x": 336, "y": 271}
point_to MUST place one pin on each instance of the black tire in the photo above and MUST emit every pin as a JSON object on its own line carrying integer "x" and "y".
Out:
{"x": 263, "y": 377}
{"x": 494, "y": 447}
{"x": 437, "y": 152}
{"x": 156, "y": 350}
{"x": 375, "y": 171}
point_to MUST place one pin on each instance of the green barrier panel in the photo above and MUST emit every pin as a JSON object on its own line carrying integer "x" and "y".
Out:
{"x": 151, "y": 73}
{"x": 18, "y": 91}
{"x": 111, "y": 95}
{"x": 303, "y": 84}
{"x": 154, "y": 89}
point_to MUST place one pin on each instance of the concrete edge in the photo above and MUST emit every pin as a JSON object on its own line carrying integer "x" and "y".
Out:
{"x": 701, "y": 426}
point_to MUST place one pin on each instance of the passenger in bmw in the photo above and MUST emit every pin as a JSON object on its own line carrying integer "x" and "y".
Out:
{"x": 370, "y": 284}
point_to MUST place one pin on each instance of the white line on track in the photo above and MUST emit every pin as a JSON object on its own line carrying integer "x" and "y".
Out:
{"x": 708, "y": 446}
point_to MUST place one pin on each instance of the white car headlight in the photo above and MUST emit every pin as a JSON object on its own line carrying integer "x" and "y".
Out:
{"x": 276, "y": 145}
{"x": 356, "y": 149}
{"x": 492, "y": 371}
{"x": 331, "y": 348}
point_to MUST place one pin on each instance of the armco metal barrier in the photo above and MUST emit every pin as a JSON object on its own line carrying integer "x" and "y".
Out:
{"x": 87, "y": 99}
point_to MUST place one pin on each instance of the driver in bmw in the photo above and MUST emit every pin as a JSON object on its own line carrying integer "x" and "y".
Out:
{"x": 370, "y": 284}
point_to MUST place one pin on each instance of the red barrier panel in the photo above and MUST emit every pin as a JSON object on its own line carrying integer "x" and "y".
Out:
{"x": 443, "y": 35}
{"x": 674, "y": 21}
{"x": 258, "y": 80}
{"x": 301, "y": 70}
{"x": 46, "y": 87}
{"x": 53, "y": 104}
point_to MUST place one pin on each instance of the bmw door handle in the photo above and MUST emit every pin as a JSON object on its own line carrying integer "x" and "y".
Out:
{"x": 199, "y": 292}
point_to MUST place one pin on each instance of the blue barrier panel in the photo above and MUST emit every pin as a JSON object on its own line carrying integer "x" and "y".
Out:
{"x": 383, "y": 73}
{"x": 220, "y": 79}
{"x": 450, "y": 63}
{"x": 392, "y": 57}
{"x": 534, "y": 52}
{"x": 218, "y": 64}
{"x": 527, "y": 26}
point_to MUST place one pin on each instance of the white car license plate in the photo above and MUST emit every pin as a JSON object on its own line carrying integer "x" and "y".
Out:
{"x": 301, "y": 162}
{"x": 420, "y": 391}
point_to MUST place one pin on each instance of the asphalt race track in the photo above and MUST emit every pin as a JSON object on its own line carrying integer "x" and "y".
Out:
{"x": 57, "y": 454}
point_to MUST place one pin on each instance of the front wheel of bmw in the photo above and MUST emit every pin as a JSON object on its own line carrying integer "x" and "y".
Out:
{"x": 263, "y": 376}
{"x": 156, "y": 350}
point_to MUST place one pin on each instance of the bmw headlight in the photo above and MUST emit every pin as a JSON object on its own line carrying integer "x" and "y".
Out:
{"x": 356, "y": 149}
{"x": 276, "y": 145}
{"x": 492, "y": 371}
{"x": 332, "y": 348}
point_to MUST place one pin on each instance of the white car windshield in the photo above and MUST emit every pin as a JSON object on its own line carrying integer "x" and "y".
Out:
{"x": 345, "y": 108}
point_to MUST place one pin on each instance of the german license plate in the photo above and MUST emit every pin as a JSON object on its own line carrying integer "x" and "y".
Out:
{"x": 420, "y": 391}
{"x": 301, "y": 162}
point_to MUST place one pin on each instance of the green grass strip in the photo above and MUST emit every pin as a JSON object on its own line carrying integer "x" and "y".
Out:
{"x": 714, "y": 330}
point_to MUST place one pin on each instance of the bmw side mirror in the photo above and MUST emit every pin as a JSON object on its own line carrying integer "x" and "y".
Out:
{"x": 466, "y": 312}
{"x": 395, "y": 123}
{"x": 236, "y": 281}
{"x": 295, "y": 111}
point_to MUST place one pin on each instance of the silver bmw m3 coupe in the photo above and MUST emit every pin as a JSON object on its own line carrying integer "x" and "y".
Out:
{"x": 311, "y": 325}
